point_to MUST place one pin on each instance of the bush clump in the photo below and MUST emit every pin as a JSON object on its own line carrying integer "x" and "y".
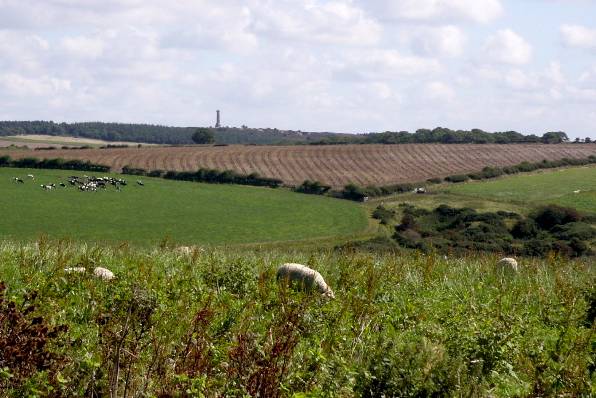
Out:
{"x": 549, "y": 229}
{"x": 386, "y": 216}
{"x": 312, "y": 187}
{"x": 457, "y": 178}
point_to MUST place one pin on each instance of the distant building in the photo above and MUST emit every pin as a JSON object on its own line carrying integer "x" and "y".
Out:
{"x": 217, "y": 120}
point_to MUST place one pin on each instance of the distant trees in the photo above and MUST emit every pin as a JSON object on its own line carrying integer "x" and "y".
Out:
{"x": 554, "y": 137}
{"x": 230, "y": 135}
{"x": 203, "y": 136}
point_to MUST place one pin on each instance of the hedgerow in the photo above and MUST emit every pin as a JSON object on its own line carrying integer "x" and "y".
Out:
{"x": 61, "y": 164}
{"x": 208, "y": 176}
{"x": 355, "y": 192}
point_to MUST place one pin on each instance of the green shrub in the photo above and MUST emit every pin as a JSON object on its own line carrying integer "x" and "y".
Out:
{"x": 578, "y": 230}
{"x": 312, "y": 187}
{"x": 409, "y": 367}
{"x": 524, "y": 229}
{"x": 353, "y": 192}
{"x": 383, "y": 214}
{"x": 134, "y": 171}
{"x": 547, "y": 217}
{"x": 457, "y": 178}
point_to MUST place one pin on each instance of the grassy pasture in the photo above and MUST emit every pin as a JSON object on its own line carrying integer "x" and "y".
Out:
{"x": 551, "y": 186}
{"x": 184, "y": 212}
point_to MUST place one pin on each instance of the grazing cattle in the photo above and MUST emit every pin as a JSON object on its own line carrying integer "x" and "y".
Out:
{"x": 304, "y": 278}
{"x": 31, "y": 176}
{"x": 140, "y": 183}
{"x": 578, "y": 191}
{"x": 63, "y": 185}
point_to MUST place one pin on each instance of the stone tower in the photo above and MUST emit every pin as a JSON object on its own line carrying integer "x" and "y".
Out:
{"x": 217, "y": 120}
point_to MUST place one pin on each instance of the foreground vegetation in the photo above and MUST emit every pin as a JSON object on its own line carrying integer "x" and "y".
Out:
{"x": 216, "y": 323}
{"x": 184, "y": 212}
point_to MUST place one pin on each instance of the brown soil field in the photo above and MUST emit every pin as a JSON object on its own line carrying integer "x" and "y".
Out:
{"x": 335, "y": 165}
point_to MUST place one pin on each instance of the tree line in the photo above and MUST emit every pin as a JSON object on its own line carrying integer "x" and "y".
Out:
{"x": 168, "y": 135}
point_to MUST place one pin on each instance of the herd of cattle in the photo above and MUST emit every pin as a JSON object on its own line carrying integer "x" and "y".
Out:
{"x": 84, "y": 183}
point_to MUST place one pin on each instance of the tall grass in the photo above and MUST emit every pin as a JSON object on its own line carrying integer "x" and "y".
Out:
{"x": 216, "y": 324}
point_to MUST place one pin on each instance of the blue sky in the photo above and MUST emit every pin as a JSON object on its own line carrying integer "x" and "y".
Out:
{"x": 317, "y": 65}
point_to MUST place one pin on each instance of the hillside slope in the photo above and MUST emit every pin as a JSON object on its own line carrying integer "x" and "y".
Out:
{"x": 336, "y": 165}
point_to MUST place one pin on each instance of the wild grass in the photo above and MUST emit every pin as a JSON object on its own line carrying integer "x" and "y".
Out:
{"x": 215, "y": 323}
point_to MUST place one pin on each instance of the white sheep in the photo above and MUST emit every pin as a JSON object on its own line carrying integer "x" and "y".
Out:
{"x": 184, "y": 250}
{"x": 103, "y": 273}
{"x": 306, "y": 278}
{"x": 507, "y": 263}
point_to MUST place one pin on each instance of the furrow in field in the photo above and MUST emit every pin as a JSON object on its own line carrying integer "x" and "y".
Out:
{"x": 335, "y": 165}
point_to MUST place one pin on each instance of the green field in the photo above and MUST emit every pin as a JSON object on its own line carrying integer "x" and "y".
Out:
{"x": 183, "y": 212}
{"x": 553, "y": 186}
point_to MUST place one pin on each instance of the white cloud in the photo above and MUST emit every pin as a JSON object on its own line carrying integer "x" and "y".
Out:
{"x": 480, "y": 11}
{"x": 23, "y": 51}
{"x": 22, "y": 86}
{"x": 508, "y": 47}
{"x": 435, "y": 41}
{"x": 324, "y": 22}
{"x": 347, "y": 65}
{"x": 579, "y": 36}
{"x": 82, "y": 46}
{"x": 439, "y": 91}
{"x": 520, "y": 80}
{"x": 388, "y": 64}
{"x": 588, "y": 77}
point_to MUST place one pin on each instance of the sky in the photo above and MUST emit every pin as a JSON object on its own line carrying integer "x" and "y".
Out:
{"x": 345, "y": 65}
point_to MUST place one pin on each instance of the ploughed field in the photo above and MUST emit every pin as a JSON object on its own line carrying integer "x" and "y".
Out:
{"x": 183, "y": 212}
{"x": 335, "y": 165}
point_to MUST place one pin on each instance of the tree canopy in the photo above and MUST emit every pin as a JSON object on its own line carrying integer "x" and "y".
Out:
{"x": 203, "y": 136}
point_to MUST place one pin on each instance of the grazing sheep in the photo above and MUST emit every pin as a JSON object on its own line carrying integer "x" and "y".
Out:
{"x": 306, "y": 278}
{"x": 577, "y": 191}
{"x": 103, "y": 273}
{"x": 184, "y": 250}
{"x": 507, "y": 263}
{"x": 75, "y": 270}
